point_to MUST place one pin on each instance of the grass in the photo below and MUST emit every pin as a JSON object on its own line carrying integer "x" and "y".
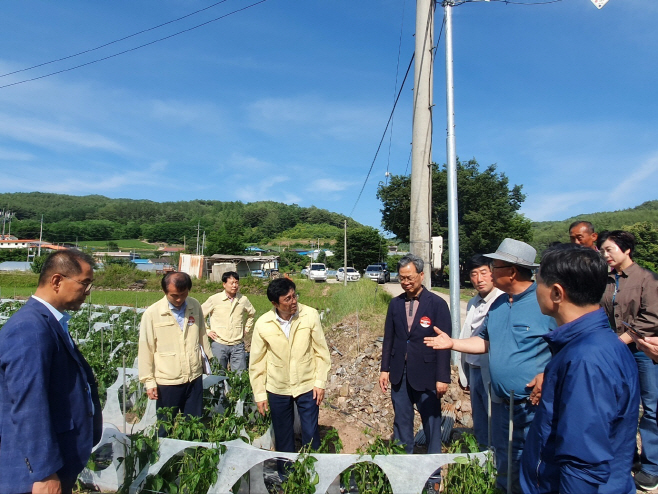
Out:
{"x": 125, "y": 244}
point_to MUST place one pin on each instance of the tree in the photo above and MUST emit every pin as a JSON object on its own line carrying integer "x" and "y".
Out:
{"x": 37, "y": 263}
{"x": 646, "y": 244}
{"x": 322, "y": 257}
{"x": 488, "y": 208}
{"x": 364, "y": 246}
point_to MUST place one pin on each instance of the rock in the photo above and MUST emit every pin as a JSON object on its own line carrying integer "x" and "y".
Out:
{"x": 466, "y": 406}
{"x": 344, "y": 390}
{"x": 368, "y": 388}
{"x": 467, "y": 420}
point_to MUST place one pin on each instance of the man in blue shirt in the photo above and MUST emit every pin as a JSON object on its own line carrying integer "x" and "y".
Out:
{"x": 583, "y": 436}
{"x": 512, "y": 334}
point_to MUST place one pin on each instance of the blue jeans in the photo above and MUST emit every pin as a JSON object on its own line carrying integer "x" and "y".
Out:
{"x": 479, "y": 405}
{"x": 230, "y": 353}
{"x": 523, "y": 415}
{"x": 648, "y": 373}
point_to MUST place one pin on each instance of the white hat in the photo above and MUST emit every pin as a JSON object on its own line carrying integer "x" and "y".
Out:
{"x": 515, "y": 252}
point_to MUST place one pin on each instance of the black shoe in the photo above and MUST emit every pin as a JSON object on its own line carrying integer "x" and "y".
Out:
{"x": 645, "y": 481}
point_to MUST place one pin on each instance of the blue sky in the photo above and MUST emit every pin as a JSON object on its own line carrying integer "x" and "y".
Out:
{"x": 287, "y": 100}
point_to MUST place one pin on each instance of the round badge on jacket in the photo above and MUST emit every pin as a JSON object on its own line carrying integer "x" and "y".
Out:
{"x": 191, "y": 321}
{"x": 425, "y": 321}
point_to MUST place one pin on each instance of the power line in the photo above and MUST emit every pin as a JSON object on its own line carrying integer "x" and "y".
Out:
{"x": 135, "y": 48}
{"x": 112, "y": 42}
{"x": 383, "y": 135}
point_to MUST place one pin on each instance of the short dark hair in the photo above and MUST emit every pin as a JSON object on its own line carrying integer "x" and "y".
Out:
{"x": 624, "y": 240}
{"x": 477, "y": 261}
{"x": 66, "y": 262}
{"x": 588, "y": 225}
{"x": 279, "y": 288}
{"x": 418, "y": 263}
{"x": 581, "y": 271}
{"x": 180, "y": 280}
{"x": 230, "y": 274}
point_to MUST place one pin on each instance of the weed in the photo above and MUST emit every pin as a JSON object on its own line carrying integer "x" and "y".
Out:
{"x": 467, "y": 475}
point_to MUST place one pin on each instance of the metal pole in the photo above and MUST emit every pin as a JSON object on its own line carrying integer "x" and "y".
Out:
{"x": 420, "y": 226}
{"x": 345, "y": 257}
{"x": 509, "y": 442}
{"x": 124, "y": 394}
{"x": 489, "y": 417}
{"x": 453, "y": 223}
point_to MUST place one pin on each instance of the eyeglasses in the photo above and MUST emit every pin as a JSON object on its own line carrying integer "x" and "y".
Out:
{"x": 290, "y": 298}
{"x": 86, "y": 284}
{"x": 407, "y": 278}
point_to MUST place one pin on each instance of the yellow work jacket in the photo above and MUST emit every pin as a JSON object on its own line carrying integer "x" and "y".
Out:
{"x": 168, "y": 355}
{"x": 229, "y": 319}
{"x": 288, "y": 366}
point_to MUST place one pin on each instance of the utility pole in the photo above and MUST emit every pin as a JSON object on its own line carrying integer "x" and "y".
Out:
{"x": 198, "y": 230}
{"x": 453, "y": 222}
{"x": 345, "y": 257}
{"x": 40, "y": 236}
{"x": 420, "y": 226}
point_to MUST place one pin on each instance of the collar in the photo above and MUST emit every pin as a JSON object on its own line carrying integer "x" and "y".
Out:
{"x": 528, "y": 291}
{"x": 176, "y": 309}
{"x": 588, "y": 323}
{"x": 62, "y": 317}
{"x": 284, "y": 321}
{"x": 417, "y": 297}
{"x": 226, "y": 297}
{"x": 625, "y": 273}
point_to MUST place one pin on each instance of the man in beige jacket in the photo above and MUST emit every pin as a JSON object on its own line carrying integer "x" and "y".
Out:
{"x": 231, "y": 317}
{"x": 288, "y": 365}
{"x": 170, "y": 360}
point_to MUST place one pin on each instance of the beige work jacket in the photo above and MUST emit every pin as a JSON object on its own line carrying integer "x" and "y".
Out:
{"x": 229, "y": 319}
{"x": 288, "y": 366}
{"x": 168, "y": 355}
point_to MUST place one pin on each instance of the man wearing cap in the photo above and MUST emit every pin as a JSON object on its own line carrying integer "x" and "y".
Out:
{"x": 512, "y": 334}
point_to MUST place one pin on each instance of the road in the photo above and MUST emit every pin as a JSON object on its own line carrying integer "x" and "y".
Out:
{"x": 395, "y": 289}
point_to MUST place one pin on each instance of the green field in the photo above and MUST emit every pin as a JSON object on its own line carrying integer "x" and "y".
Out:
{"x": 128, "y": 244}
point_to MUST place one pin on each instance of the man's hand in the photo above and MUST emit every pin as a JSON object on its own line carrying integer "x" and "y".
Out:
{"x": 263, "y": 407}
{"x": 212, "y": 334}
{"x": 440, "y": 342}
{"x": 318, "y": 395}
{"x": 441, "y": 389}
{"x": 648, "y": 345}
{"x": 152, "y": 393}
{"x": 49, "y": 485}
{"x": 383, "y": 381}
{"x": 536, "y": 385}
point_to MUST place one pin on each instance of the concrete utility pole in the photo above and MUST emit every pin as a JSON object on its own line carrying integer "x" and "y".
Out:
{"x": 451, "y": 153}
{"x": 420, "y": 227}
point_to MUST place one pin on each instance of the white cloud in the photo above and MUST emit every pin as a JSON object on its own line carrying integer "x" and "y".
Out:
{"x": 645, "y": 174}
{"x": 53, "y": 135}
{"x": 315, "y": 116}
{"x": 329, "y": 185}
{"x": 9, "y": 155}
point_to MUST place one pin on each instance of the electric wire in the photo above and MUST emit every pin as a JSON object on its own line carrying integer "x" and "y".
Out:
{"x": 397, "y": 73}
{"x": 112, "y": 42}
{"x": 383, "y": 135}
{"x": 134, "y": 48}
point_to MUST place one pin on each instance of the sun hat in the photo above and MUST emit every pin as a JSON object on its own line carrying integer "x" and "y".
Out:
{"x": 515, "y": 252}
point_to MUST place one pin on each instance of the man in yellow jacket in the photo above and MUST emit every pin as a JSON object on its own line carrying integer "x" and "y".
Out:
{"x": 289, "y": 364}
{"x": 231, "y": 317}
{"x": 169, "y": 359}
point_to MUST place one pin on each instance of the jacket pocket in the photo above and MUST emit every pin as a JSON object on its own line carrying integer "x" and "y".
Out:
{"x": 167, "y": 365}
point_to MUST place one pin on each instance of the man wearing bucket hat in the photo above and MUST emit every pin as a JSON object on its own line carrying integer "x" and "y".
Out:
{"x": 512, "y": 334}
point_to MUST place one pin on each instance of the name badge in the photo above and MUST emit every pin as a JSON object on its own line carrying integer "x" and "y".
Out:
{"x": 191, "y": 321}
{"x": 425, "y": 321}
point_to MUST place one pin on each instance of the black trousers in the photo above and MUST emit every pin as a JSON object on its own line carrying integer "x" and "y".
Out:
{"x": 186, "y": 398}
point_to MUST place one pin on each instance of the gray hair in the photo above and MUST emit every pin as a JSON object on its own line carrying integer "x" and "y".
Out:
{"x": 411, "y": 259}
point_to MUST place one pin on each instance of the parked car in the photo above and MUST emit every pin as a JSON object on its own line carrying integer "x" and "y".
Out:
{"x": 376, "y": 272}
{"x": 395, "y": 277}
{"x": 352, "y": 274}
{"x": 317, "y": 272}
{"x": 331, "y": 273}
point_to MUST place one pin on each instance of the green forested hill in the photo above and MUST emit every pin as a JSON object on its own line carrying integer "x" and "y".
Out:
{"x": 70, "y": 218}
{"x": 545, "y": 232}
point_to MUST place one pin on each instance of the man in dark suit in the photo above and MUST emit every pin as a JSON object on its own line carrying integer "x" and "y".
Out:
{"x": 50, "y": 414}
{"x": 417, "y": 376}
